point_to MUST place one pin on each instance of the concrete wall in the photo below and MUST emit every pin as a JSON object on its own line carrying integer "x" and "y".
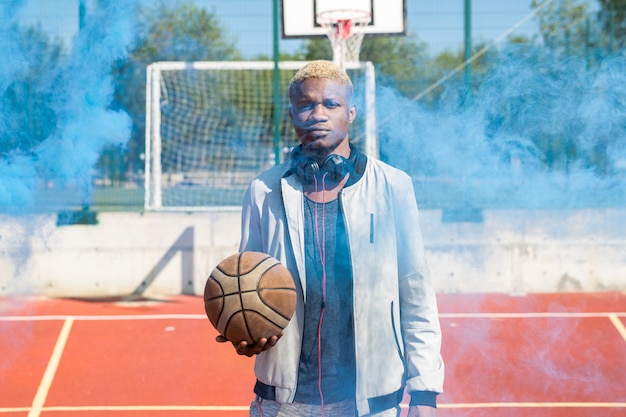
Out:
{"x": 155, "y": 254}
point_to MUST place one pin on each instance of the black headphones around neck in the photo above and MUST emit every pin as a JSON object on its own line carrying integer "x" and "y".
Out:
{"x": 336, "y": 167}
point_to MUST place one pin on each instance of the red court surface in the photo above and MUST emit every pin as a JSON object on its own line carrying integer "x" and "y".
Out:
{"x": 537, "y": 355}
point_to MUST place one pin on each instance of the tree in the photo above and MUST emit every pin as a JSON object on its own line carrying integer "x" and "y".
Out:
{"x": 25, "y": 95}
{"x": 573, "y": 137}
{"x": 183, "y": 32}
{"x": 564, "y": 26}
{"x": 402, "y": 58}
{"x": 612, "y": 15}
{"x": 317, "y": 48}
{"x": 399, "y": 60}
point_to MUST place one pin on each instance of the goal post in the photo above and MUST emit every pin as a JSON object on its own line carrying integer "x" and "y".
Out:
{"x": 209, "y": 129}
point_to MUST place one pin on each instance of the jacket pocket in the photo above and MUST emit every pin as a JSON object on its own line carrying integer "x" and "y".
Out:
{"x": 395, "y": 333}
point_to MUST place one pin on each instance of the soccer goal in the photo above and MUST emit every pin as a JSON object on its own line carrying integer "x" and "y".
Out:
{"x": 210, "y": 129}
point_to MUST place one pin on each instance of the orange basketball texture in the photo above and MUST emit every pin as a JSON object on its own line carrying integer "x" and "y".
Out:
{"x": 249, "y": 296}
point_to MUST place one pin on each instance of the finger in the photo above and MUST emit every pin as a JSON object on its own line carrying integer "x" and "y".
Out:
{"x": 258, "y": 347}
{"x": 241, "y": 347}
{"x": 271, "y": 342}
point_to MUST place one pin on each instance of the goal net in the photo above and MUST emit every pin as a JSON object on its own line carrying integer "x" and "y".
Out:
{"x": 210, "y": 129}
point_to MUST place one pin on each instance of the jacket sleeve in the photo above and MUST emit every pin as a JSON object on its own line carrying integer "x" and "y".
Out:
{"x": 421, "y": 331}
{"x": 251, "y": 234}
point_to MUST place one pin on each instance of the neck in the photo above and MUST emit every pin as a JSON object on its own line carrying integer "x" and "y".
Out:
{"x": 318, "y": 154}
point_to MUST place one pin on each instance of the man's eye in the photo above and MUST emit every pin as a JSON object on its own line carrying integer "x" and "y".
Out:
{"x": 304, "y": 106}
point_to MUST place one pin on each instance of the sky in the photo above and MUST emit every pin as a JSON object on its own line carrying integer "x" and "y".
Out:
{"x": 440, "y": 23}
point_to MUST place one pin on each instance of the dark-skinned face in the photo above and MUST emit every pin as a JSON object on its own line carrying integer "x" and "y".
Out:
{"x": 321, "y": 112}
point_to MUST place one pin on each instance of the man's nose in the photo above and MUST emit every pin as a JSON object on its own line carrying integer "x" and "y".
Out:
{"x": 319, "y": 111}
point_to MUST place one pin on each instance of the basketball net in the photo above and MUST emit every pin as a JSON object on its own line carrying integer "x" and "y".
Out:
{"x": 345, "y": 30}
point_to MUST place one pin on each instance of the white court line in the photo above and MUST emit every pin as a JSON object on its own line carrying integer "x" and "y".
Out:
{"x": 245, "y": 408}
{"x": 534, "y": 405}
{"x": 148, "y": 408}
{"x": 114, "y": 317}
{"x": 37, "y": 407}
{"x": 531, "y": 315}
{"x": 51, "y": 369}
{"x": 618, "y": 325}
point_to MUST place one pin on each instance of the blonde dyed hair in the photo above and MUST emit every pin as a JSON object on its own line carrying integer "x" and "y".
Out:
{"x": 320, "y": 69}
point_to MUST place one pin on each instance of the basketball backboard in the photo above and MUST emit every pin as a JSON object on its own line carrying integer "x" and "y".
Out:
{"x": 299, "y": 17}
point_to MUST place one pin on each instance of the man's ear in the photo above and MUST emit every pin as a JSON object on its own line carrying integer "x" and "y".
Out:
{"x": 352, "y": 113}
{"x": 291, "y": 113}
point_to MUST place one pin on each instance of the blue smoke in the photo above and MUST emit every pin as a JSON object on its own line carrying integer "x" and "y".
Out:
{"x": 497, "y": 149}
{"x": 13, "y": 64}
{"x": 54, "y": 141}
{"x": 78, "y": 91}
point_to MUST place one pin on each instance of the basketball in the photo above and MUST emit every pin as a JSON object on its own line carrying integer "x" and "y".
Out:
{"x": 249, "y": 296}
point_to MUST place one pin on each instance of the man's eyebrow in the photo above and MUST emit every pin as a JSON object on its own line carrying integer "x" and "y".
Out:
{"x": 304, "y": 100}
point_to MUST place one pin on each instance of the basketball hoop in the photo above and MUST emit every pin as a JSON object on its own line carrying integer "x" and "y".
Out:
{"x": 345, "y": 29}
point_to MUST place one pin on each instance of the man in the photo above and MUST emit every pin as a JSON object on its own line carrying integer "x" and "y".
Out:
{"x": 346, "y": 226}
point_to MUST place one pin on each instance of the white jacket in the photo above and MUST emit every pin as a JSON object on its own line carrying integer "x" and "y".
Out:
{"x": 396, "y": 325}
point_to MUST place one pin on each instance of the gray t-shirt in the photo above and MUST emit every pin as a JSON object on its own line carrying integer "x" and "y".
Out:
{"x": 327, "y": 264}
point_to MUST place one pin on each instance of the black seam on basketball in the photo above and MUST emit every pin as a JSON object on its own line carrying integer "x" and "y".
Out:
{"x": 239, "y": 266}
{"x": 245, "y": 319}
{"x": 264, "y": 317}
{"x": 221, "y": 288}
{"x": 273, "y": 288}
{"x": 269, "y": 306}
{"x": 227, "y": 324}
{"x": 261, "y": 262}
{"x": 219, "y": 314}
{"x": 225, "y": 294}
{"x": 224, "y": 272}
{"x": 271, "y": 267}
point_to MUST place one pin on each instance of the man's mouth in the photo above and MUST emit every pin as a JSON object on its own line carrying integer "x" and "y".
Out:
{"x": 317, "y": 131}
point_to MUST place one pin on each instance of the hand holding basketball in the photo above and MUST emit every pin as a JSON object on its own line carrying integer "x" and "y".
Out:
{"x": 250, "y": 298}
{"x": 244, "y": 349}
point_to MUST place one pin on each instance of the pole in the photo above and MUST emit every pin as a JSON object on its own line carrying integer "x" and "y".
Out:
{"x": 587, "y": 42}
{"x": 82, "y": 8}
{"x": 276, "y": 85}
{"x": 611, "y": 28}
{"x": 468, "y": 46}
